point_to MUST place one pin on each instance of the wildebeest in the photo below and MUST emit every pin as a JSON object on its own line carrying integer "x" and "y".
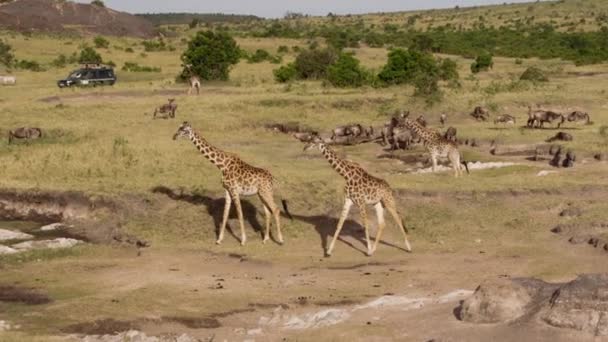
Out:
{"x": 168, "y": 109}
{"x": 305, "y": 136}
{"x": 450, "y": 134}
{"x": 8, "y": 80}
{"x": 569, "y": 160}
{"x": 563, "y": 136}
{"x": 537, "y": 118}
{"x": 579, "y": 116}
{"x": 422, "y": 121}
{"x": 505, "y": 119}
{"x": 353, "y": 130}
{"x": 26, "y": 133}
{"x": 480, "y": 113}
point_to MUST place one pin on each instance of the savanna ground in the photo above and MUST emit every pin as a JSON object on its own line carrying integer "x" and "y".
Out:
{"x": 102, "y": 141}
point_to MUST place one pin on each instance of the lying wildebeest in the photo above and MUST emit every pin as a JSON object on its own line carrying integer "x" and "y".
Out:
{"x": 579, "y": 116}
{"x": 537, "y": 118}
{"x": 557, "y": 158}
{"x": 505, "y": 119}
{"x": 450, "y": 134}
{"x": 8, "y": 80}
{"x": 353, "y": 130}
{"x": 443, "y": 119}
{"x": 480, "y": 114}
{"x": 563, "y": 136}
{"x": 26, "y": 133}
{"x": 168, "y": 109}
{"x": 289, "y": 127}
{"x": 305, "y": 136}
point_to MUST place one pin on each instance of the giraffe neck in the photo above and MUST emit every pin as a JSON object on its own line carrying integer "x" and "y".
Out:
{"x": 420, "y": 130}
{"x": 216, "y": 156}
{"x": 336, "y": 162}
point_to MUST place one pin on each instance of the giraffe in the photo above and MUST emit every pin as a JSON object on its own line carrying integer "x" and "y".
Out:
{"x": 238, "y": 178}
{"x": 195, "y": 81}
{"x": 437, "y": 145}
{"x": 361, "y": 189}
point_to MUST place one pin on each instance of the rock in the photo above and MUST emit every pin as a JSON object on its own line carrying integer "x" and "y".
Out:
{"x": 601, "y": 156}
{"x": 7, "y": 250}
{"x": 581, "y": 305}
{"x": 53, "y": 244}
{"x": 543, "y": 173}
{"x": 495, "y": 301}
{"x": 571, "y": 212}
{"x": 138, "y": 336}
{"x": 12, "y": 235}
{"x": 52, "y": 226}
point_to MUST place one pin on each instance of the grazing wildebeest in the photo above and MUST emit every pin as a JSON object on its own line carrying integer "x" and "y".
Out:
{"x": 168, "y": 109}
{"x": 505, "y": 119}
{"x": 8, "y": 80}
{"x": 443, "y": 119}
{"x": 480, "y": 113}
{"x": 537, "y": 118}
{"x": 569, "y": 160}
{"x": 450, "y": 134}
{"x": 402, "y": 138}
{"x": 579, "y": 116}
{"x": 26, "y": 133}
{"x": 563, "y": 136}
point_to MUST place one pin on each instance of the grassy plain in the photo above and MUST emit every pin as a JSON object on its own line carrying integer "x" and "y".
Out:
{"x": 103, "y": 141}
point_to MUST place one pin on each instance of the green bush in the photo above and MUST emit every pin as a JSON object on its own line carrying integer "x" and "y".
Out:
{"x": 101, "y": 43}
{"x": 313, "y": 64}
{"x": 282, "y": 49}
{"x": 60, "y": 62}
{"x": 129, "y": 50}
{"x": 211, "y": 55}
{"x": 533, "y": 74}
{"x": 6, "y": 56}
{"x": 98, "y": 3}
{"x": 404, "y": 66}
{"x": 483, "y": 62}
{"x": 28, "y": 65}
{"x": 448, "y": 70}
{"x": 258, "y": 56}
{"x": 134, "y": 67}
{"x": 346, "y": 72}
{"x": 89, "y": 55}
{"x": 285, "y": 73}
{"x": 154, "y": 45}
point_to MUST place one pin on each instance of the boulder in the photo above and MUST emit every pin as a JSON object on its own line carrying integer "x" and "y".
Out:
{"x": 495, "y": 301}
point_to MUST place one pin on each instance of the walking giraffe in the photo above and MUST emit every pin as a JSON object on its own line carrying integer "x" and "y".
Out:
{"x": 238, "y": 178}
{"x": 361, "y": 189}
{"x": 195, "y": 81}
{"x": 437, "y": 145}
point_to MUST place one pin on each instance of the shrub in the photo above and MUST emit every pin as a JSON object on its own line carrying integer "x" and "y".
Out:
{"x": 404, "y": 66}
{"x": 98, "y": 3}
{"x": 6, "y": 56}
{"x": 258, "y": 56}
{"x": 28, "y": 65}
{"x": 533, "y": 74}
{"x": 101, "y": 43}
{"x": 346, "y": 72}
{"x": 112, "y": 64}
{"x": 313, "y": 64}
{"x": 285, "y": 73}
{"x": 282, "y": 49}
{"x": 211, "y": 55}
{"x": 129, "y": 50}
{"x": 154, "y": 45}
{"x": 483, "y": 62}
{"x": 60, "y": 62}
{"x": 89, "y": 55}
{"x": 448, "y": 70}
{"x": 518, "y": 61}
{"x": 194, "y": 23}
{"x": 134, "y": 67}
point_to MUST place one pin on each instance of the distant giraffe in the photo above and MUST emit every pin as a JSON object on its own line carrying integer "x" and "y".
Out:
{"x": 361, "y": 189}
{"x": 194, "y": 80}
{"x": 437, "y": 145}
{"x": 238, "y": 178}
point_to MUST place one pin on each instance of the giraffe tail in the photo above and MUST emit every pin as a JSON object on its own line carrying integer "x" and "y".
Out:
{"x": 284, "y": 203}
{"x": 466, "y": 166}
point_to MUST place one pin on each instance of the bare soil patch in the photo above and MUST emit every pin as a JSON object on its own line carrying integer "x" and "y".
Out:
{"x": 22, "y": 295}
{"x": 99, "y": 327}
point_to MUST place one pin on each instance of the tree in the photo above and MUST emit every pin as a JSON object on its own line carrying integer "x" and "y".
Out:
{"x": 483, "y": 62}
{"x": 6, "y": 56}
{"x": 210, "y": 55}
{"x": 98, "y": 3}
{"x": 346, "y": 72}
{"x": 404, "y": 66}
{"x": 89, "y": 55}
{"x": 313, "y": 64}
{"x": 101, "y": 43}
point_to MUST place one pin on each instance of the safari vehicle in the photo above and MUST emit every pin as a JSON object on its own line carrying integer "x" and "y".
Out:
{"x": 89, "y": 75}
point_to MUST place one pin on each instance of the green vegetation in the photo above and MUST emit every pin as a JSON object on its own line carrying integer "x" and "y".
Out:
{"x": 201, "y": 18}
{"x": 28, "y": 65}
{"x": 154, "y": 45}
{"x": 346, "y": 72}
{"x": 261, "y": 55}
{"x": 534, "y": 74}
{"x": 134, "y": 67}
{"x": 285, "y": 73}
{"x": 211, "y": 54}
{"x": 483, "y": 62}
{"x": 101, "y": 43}
{"x": 6, "y": 56}
{"x": 98, "y": 3}
{"x": 312, "y": 64}
{"x": 89, "y": 55}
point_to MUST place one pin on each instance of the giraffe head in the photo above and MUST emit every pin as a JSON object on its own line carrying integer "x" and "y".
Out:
{"x": 184, "y": 130}
{"x": 316, "y": 142}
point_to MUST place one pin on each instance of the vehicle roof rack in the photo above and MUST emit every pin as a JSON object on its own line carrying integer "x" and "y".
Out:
{"x": 94, "y": 66}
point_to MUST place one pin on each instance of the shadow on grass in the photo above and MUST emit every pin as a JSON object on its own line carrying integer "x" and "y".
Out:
{"x": 215, "y": 208}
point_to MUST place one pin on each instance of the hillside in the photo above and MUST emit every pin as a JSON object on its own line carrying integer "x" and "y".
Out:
{"x": 59, "y": 16}
{"x": 186, "y": 18}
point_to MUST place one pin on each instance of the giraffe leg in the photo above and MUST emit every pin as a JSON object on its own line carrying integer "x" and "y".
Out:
{"x": 381, "y": 224}
{"x": 227, "y": 203}
{"x": 363, "y": 213}
{"x": 267, "y": 217}
{"x": 239, "y": 211}
{"x": 391, "y": 209}
{"x": 434, "y": 160}
{"x": 347, "y": 204}
{"x": 268, "y": 201}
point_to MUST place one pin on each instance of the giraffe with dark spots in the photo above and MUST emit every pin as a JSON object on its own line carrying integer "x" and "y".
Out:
{"x": 238, "y": 178}
{"x": 438, "y": 146}
{"x": 361, "y": 189}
